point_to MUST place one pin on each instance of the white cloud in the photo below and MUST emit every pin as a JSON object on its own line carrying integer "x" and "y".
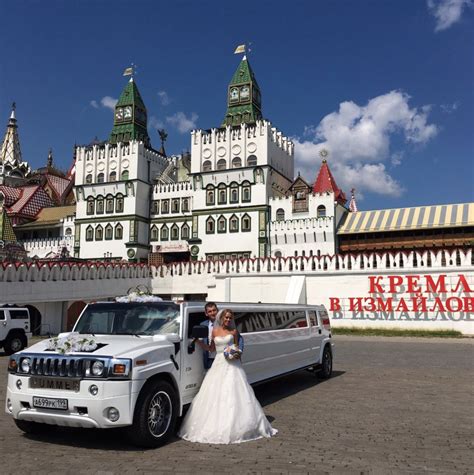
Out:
{"x": 154, "y": 123}
{"x": 94, "y": 104}
{"x": 450, "y": 108}
{"x": 447, "y": 12}
{"x": 108, "y": 102}
{"x": 358, "y": 139}
{"x": 164, "y": 98}
{"x": 396, "y": 158}
{"x": 181, "y": 122}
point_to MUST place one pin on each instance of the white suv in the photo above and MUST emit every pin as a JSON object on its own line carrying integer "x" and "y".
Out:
{"x": 14, "y": 328}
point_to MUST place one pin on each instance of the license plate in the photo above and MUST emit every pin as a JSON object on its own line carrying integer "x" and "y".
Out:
{"x": 52, "y": 383}
{"x": 50, "y": 403}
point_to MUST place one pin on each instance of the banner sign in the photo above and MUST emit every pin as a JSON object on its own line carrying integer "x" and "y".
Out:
{"x": 410, "y": 297}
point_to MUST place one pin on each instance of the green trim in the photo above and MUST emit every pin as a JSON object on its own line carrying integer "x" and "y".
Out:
{"x": 242, "y": 209}
{"x": 136, "y": 244}
{"x": 125, "y": 217}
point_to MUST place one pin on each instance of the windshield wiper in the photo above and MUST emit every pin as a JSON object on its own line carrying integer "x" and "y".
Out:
{"x": 138, "y": 335}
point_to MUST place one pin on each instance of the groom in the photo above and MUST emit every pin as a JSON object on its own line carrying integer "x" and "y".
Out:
{"x": 210, "y": 310}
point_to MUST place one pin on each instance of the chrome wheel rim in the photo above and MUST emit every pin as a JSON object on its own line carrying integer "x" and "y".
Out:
{"x": 160, "y": 411}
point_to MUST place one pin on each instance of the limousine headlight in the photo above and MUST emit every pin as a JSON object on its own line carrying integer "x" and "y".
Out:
{"x": 25, "y": 365}
{"x": 97, "y": 368}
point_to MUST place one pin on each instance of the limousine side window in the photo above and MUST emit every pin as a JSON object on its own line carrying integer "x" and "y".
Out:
{"x": 195, "y": 318}
{"x": 313, "y": 319}
{"x": 248, "y": 322}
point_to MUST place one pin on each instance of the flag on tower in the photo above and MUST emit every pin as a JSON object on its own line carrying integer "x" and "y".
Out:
{"x": 128, "y": 72}
{"x": 240, "y": 49}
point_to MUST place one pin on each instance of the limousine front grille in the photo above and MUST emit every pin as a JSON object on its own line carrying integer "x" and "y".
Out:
{"x": 62, "y": 367}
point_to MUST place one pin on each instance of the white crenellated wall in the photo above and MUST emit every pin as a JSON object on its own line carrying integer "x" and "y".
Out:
{"x": 46, "y": 247}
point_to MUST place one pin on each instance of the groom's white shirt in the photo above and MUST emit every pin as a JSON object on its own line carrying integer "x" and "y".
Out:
{"x": 212, "y": 354}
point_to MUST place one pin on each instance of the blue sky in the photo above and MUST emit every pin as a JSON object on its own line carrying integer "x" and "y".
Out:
{"x": 385, "y": 86}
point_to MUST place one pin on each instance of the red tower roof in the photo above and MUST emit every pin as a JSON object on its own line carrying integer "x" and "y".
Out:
{"x": 325, "y": 182}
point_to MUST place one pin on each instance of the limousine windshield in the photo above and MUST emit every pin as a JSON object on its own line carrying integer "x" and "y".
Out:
{"x": 130, "y": 319}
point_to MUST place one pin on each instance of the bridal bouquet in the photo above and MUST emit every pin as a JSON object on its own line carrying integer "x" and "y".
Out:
{"x": 232, "y": 352}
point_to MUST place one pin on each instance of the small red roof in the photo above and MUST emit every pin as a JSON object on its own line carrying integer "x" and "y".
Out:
{"x": 325, "y": 182}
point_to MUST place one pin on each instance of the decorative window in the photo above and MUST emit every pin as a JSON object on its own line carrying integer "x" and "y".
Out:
{"x": 234, "y": 193}
{"x": 236, "y": 162}
{"x": 109, "y": 204}
{"x": 90, "y": 205}
{"x": 280, "y": 214}
{"x": 210, "y": 226}
{"x": 234, "y": 224}
{"x": 100, "y": 205}
{"x": 251, "y": 161}
{"x": 221, "y": 164}
{"x": 277, "y": 254}
{"x": 100, "y": 178}
{"x": 119, "y": 204}
{"x": 246, "y": 223}
{"x": 246, "y": 195}
{"x": 222, "y": 195}
{"x": 155, "y": 207}
{"x": 234, "y": 94}
{"x": 89, "y": 178}
{"x": 154, "y": 233}
{"x": 165, "y": 206}
{"x": 109, "y": 232}
{"x": 175, "y": 206}
{"x": 210, "y": 196}
{"x": 68, "y": 232}
{"x": 185, "y": 205}
{"x": 164, "y": 233}
{"x": 207, "y": 166}
{"x": 113, "y": 176}
{"x": 185, "y": 231}
{"x": 174, "y": 232}
{"x": 244, "y": 92}
{"x": 118, "y": 231}
{"x": 124, "y": 175}
{"x": 321, "y": 211}
{"x": 221, "y": 225}
{"x": 99, "y": 233}
{"x": 89, "y": 233}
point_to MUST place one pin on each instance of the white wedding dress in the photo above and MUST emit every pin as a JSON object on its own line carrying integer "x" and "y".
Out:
{"x": 225, "y": 411}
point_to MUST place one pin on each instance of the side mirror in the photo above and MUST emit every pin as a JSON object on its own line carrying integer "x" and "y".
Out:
{"x": 200, "y": 331}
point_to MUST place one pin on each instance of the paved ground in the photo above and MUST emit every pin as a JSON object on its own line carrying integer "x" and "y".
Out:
{"x": 393, "y": 406}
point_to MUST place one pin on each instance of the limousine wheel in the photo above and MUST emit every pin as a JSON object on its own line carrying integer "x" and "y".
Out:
{"x": 326, "y": 364}
{"x": 29, "y": 427}
{"x": 155, "y": 415}
{"x": 14, "y": 342}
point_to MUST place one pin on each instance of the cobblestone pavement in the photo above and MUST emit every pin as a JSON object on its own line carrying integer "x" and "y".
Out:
{"x": 394, "y": 405}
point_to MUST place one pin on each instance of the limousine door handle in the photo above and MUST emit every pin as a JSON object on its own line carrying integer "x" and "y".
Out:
{"x": 319, "y": 331}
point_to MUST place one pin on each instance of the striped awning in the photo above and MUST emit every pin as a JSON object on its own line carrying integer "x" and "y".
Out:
{"x": 404, "y": 219}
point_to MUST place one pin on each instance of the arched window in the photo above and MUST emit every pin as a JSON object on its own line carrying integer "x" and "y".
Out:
{"x": 124, "y": 175}
{"x": 165, "y": 206}
{"x": 164, "y": 232}
{"x": 89, "y": 178}
{"x": 119, "y": 203}
{"x": 210, "y": 226}
{"x": 277, "y": 254}
{"x": 280, "y": 214}
{"x": 175, "y": 205}
{"x": 222, "y": 194}
{"x": 234, "y": 193}
{"x": 99, "y": 233}
{"x": 118, "y": 231}
{"x": 321, "y": 211}
{"x": 185, "y": 231}
{"x": 109, "y": 204}
{"x": 154, "y": 233}
{"x": 236, "y": 162}
{"x": 109, "y": 232}
{"x": 246, "y": 195}
{"x": 234, "y": 224}
{"x": 100, "y": 178}
{"x": 221, "y": 224}
{"x": 207, "y": 166}
{"x": 210, "y": 196}
{"x": 89, "y": 233}
{"x": 100, "y": 205}
{"x": 174, "y": 232}
{"x": 155, "y": 206}
{"x": 221, "y": 164}
{"x": 185, "y": 205}
{"x": 246, "y": 223}
{"x": 251, "y": 161}
{"x": 90, "y": 205}
{"x": 113, "y": 176}
{"x": 68, "y": 232}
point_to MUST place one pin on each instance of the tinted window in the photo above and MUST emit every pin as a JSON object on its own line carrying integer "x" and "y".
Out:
{"x": 248, "y": 322}
{"x": 19, "y": 314}
{"x": 2, "y": 315}
{"x": 313, "y": 318}
{"x": 194, "y": 319}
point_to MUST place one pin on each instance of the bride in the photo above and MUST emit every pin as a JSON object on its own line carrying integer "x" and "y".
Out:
{"x": 225, "y": 411}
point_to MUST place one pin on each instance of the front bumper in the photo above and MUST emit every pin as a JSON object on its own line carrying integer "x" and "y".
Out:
{"x": 84, "y": 409}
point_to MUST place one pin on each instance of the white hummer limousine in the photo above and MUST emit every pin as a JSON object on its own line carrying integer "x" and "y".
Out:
{"x": 139, "y": 368}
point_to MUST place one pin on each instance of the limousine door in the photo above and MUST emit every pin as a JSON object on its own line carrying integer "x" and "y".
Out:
{"x": 316, "y": 336}
{"x": 192, "y": 365}
{"x": 276, "y": 342}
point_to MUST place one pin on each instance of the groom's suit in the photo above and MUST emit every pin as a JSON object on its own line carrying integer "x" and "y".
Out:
{"x": 208, "y": 357}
